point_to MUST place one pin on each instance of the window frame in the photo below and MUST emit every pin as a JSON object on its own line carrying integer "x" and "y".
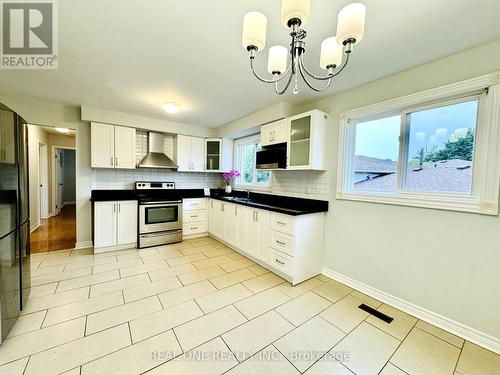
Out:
{"x": 238, "y": 143}
{"x": 483, "y": 197}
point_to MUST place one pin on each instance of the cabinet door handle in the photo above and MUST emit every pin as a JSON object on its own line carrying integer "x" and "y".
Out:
{"x": 114, "y": 207}
{"x": 193, "y": 228}
{"x": 256, "y": 215}
{"x": 280, "y": 223}
{"x": 212, "y": 204}
{"x": 193, "y": 216}
{"x": 280, "y": 243}
{"x": 116, "y": 161}
{"x": 119, "y": 207}
{"x": 235, "y": 210}
{"x": 112, "y": 160}
{"x": 280, "y": 262}
{"x": 222, "y": 207}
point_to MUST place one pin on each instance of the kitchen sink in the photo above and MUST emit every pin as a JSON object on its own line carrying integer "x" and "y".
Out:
{"x": 238, "y": 199}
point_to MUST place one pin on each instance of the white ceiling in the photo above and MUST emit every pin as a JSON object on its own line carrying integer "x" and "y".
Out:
{"x": 131, "y": 56}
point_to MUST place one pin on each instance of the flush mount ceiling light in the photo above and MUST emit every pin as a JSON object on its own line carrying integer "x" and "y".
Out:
{"x": 63, "y": 130}
{"x": 335, "y": 51}
{"x": 171, "y": 107}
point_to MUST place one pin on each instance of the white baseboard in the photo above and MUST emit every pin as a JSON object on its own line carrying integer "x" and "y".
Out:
{"x": 459, "y": 329}
{"x": 34, "y": 227}
{"x": 83, "y": 245}
{"x": 98, "y": 250}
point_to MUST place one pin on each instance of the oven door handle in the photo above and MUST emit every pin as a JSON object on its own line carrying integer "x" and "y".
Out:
{"x": 159, "y": 234}
{"x": 168, "y": 204}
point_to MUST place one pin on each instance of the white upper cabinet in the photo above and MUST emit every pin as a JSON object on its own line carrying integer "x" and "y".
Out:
{"x": 7, "y": 126}
{"x": 307, "y": 141}
{"x": 124, "y": 147}
{"x": 190, "y": 153}
{"x": 218, "y": 154}
{"x": 274, "y": 133}
{"x": 112, "y": 146}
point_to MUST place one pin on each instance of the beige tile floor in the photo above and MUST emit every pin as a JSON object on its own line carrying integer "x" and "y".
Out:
{"x": 199, "y": 307}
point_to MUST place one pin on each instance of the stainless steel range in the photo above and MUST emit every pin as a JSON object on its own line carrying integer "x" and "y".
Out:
{"x": 160, "y": 214}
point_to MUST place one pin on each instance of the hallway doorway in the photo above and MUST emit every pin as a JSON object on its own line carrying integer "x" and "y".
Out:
{"x": 52, "y": 183}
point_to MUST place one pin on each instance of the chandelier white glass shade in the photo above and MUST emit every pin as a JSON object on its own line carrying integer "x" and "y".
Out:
{"x": 335, "y": 50}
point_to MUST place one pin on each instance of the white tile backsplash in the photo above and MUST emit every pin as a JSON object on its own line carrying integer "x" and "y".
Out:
{"x": 107, "y": 179}
{"x": 303, "y": 184}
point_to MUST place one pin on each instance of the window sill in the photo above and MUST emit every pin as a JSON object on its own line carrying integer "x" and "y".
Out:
{"x": 437, "y": 202}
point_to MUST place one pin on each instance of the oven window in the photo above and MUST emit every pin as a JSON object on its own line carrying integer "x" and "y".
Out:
{"x": 157, "y": 215}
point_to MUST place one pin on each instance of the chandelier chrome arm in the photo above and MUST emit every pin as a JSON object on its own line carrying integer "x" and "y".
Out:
{"x": 280, "y": 76}
{"x": 331, "y": 73}
{"x": 281, "y": 92}
{"x": 302, "y": 69}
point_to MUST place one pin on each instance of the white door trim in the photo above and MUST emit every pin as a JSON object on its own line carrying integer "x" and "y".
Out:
{"x": 43, "y": 180}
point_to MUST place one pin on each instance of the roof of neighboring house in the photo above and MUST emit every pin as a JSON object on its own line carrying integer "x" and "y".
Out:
{"x": 373, "y": 165}
{"x": 450, "y": 176}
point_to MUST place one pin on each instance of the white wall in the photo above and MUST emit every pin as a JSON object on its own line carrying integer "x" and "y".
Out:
{"x": 446, "y": 262}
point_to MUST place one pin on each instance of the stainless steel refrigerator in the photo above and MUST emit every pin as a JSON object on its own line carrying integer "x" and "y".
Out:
{"x": 15, "y": 278}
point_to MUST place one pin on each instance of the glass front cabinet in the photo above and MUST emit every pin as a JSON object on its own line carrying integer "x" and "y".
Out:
{"x": 218, "y": 154}
{"x": 307, "y": 143}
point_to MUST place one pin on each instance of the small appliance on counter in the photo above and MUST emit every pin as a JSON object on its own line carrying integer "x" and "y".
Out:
{"x": 160, "y": 214}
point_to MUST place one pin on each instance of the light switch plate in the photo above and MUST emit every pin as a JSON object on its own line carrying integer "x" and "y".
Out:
{"x": 206, "y": 191}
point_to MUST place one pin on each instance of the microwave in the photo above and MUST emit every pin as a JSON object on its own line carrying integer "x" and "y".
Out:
{"x": 272, "y": 157}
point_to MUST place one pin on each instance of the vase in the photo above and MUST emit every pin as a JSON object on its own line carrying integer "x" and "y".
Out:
{"x": 228, "y": 189}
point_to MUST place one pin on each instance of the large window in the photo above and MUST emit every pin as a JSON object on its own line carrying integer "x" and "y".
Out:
{"x": 432, "y": 149}
{"x": 245, "y": 150}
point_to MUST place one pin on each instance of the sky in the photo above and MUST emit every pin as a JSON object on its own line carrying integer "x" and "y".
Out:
{"x": 428, "y": 128}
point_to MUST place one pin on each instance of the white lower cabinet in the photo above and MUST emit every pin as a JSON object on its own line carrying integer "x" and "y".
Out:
{"x": 257, "y": 236}
{"x": 194, "y": 217}
{"x": 115, "y": 225}
{"x": 291, "y": 246}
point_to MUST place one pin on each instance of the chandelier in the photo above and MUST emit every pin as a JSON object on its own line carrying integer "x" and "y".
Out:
{"x": 335, "y": 50}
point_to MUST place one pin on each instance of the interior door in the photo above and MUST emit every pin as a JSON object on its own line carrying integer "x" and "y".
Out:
{"x": 102, "y": 141}
{"x": 124, "y": 147}
{"x": 59, "y": 179}
{"x": 198, "y": 154}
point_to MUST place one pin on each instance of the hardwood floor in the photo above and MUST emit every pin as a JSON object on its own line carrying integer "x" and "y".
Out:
{"x": 55, "y": 233}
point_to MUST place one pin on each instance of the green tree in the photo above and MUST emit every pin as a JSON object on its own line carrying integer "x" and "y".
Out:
{"x": 460, "y": 148}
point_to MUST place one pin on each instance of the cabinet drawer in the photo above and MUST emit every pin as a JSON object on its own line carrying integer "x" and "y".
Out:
{"x": 282, "y": 223}
{"x": 194, "y": 228}
{"x": 194, "y": 204}
{"x": 194, "y": 216}
{"x": 282, "y": 262}
{"x": 282, "y": 242}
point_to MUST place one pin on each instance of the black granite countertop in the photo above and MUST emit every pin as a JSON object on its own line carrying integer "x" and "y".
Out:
{"x": 276, "y": 203}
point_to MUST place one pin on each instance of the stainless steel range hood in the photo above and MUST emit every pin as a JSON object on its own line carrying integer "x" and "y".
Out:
{"x": 156, "y": 157}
